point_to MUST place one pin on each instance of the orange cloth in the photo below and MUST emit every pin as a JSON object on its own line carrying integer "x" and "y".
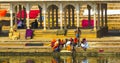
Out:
{"x": 68, "y": 47}
{"x": 53, "y": 42}
{"x": 55, "y": 45}
{"x": 3, "y": 13}
{"x": 54, "y": 61}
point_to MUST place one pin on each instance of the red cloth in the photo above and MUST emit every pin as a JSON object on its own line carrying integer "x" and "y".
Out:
{"x": 33, "y": 14}
{"x": 75, "y": 40}
{"x": 85, "y": 23}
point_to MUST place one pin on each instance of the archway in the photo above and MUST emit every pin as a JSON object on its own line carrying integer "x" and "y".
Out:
{"x": 69, "y": 17}
{"x": 35, "y": 17}
{"x": 53, "y": 17}
{"x": 20, "y": 15}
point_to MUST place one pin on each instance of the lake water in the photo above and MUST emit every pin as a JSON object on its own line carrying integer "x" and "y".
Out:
{"x": 58, "y": 59}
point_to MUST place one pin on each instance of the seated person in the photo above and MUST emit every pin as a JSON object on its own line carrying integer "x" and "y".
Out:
{"x": 14, "y": 35}
{"x": 29, "y": 33}
{"x": 35, "y": 24}
{"x": 19, "y": 24}
{"x": 84, "y": 44}
{"x": 10, "y": 34}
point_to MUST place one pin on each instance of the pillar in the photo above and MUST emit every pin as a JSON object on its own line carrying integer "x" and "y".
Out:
{"x": 20, "y": 10}
{"x": 65, "y": 20}
{"x": 41, "y": 18}
{"x": 106, "y": 15}
{"x": 61, "y": 27}
{"x": 28, "y": 10}
{"x": 73, "y": 24}
{"x": 16, "y": 10}
{"x": 102, "y": 20}
{"x": 24, "y": 14}
{"x": 52, "y": 17}
{"x": 89, "y": 15}
{"x": 98, "y": 23}
{"x": 44, "y": 14}
{"x": 11, "y": 16}
{"x": 77, "y": 11}
{"x": 57, "y": 17}
{"x": 48, "y": 18}
{"x": 94, "y": 8}
{"x": 69, "y": 23}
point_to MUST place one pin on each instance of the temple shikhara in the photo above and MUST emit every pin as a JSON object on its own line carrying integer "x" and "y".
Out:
{"x": 59, "y": 18}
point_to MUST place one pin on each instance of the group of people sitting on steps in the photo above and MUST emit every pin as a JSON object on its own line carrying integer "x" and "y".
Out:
{"x": 68, "y": 44}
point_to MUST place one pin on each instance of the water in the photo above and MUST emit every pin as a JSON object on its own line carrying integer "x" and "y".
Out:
{"x": 58, "y": 59}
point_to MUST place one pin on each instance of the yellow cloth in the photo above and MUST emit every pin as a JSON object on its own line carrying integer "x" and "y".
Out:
{"x": 15, "y": 35}
{"x": 10, "y": 35}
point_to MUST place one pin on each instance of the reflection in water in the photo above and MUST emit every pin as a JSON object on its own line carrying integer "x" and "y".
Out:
{"x": 4, "y": 60}
{"x": 30, "y": 61}
{"x": 58, "y": 59}
{"x": 102, "y": 59}
{"x": 85, "y": 60}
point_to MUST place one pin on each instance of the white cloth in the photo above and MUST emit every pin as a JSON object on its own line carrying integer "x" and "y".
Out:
{"x": 68, "y": 43}
{"x": 84, "y": 45}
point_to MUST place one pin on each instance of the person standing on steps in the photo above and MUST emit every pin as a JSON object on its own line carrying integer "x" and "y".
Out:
{"x": 77, "y": 35}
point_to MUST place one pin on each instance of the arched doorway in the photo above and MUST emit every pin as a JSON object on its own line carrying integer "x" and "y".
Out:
{"x": 69, "y": 17}
{"x": 20, "y": 15}
{"x": 86, "y": 15}
{"x": 53, "y": 17}
{"x": 35, "y": 17}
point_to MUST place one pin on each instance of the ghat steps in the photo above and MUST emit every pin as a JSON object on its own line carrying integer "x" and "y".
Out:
{"x": 95, "y": 45}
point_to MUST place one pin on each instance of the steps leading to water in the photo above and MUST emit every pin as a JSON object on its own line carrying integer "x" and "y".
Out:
{"x": 95, "y": 45}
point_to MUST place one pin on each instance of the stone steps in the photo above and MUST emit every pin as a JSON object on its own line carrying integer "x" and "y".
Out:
{"x": 94, "y": 45}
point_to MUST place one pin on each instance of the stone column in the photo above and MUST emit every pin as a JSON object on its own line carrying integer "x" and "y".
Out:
{"x": 52, "y": 17}
{"x": 28, "y": 10}
{"x": 73, "y": 17}
{"x": 78, "y": 11}
{"x": 61, "y": 10}
{"x": 41, "y": 18}
{"x": 24, "y": 14}
{"x": 65, "y": 20}
{"x": 56, "y": 18}
{"x": 44, "y": 14}
{"x": 48, "y": 18}
{"x": 102, "y": 20}
{"x": 94, "y": 9}
{"x": 106, "y": 15}
{"x": 16, "y": 10}
{"x": 69, "y": 23}
{"x": 98, "y": 23}
{"x": 11, "y": 16}
{"x": 89, "y": 15}
{"x": 20, "y": 10}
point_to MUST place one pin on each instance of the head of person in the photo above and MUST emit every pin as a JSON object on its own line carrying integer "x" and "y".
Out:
{"x": 53, "y": 40}
{"x": 84, "y": 40}
{"x": 71, "y": 39}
